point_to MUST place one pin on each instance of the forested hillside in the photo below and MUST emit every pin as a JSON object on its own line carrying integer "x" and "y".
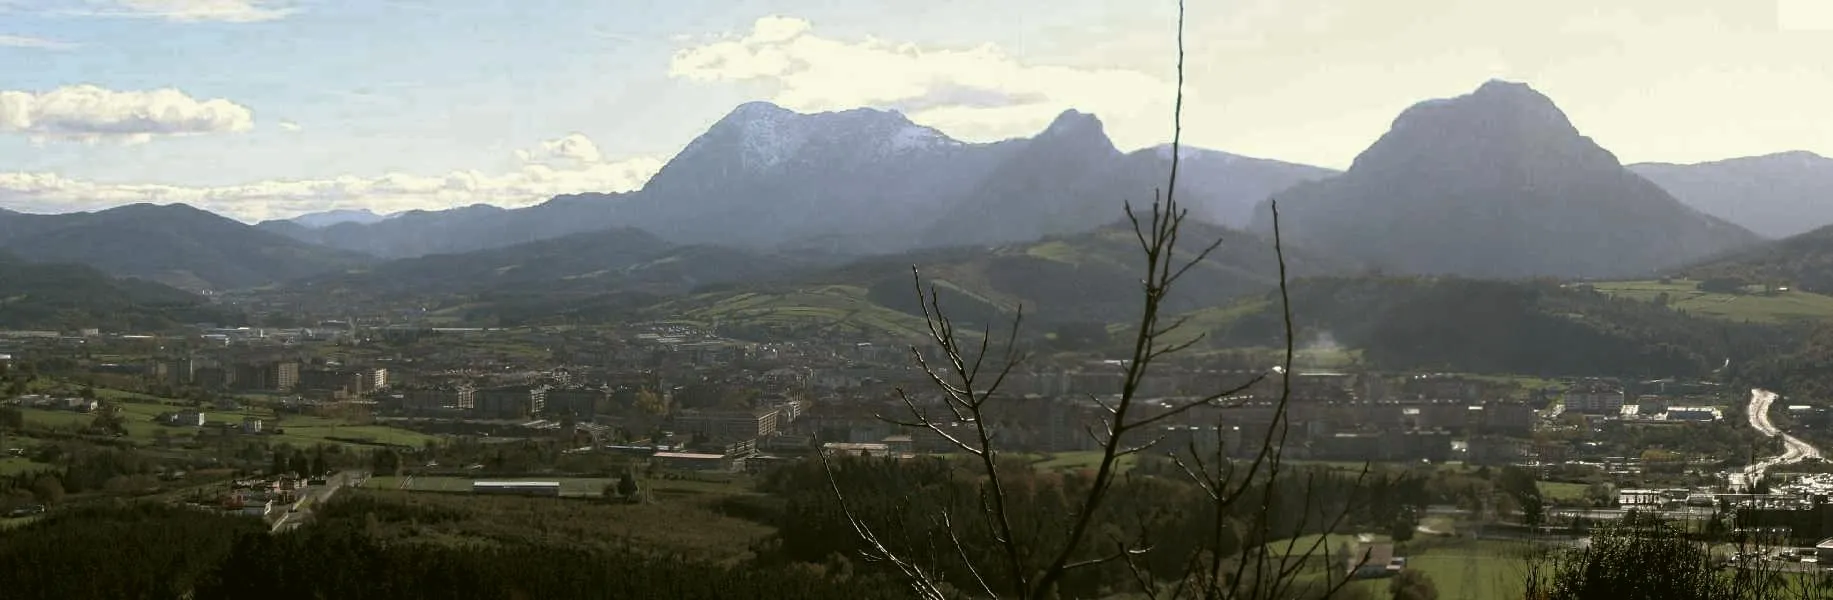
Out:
{"x": 1467, "y": 325}
{"x": 1088, "y": 280}
{"x": 70, "y": 296}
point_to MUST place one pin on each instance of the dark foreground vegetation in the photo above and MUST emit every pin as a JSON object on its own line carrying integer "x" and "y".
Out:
{"x": 1643, "y": 558}
{"x": 788, "y": 538}
{"x": 798, "y": 544}
{"x": 150, "y": 551}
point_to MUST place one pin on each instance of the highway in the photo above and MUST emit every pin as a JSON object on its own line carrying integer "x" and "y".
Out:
{"x": 1794, "y": 450}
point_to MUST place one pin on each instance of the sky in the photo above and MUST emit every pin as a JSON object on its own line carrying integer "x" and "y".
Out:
{"x": 261, "y": 109}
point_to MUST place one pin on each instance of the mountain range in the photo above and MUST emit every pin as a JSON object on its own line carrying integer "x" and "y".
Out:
{"x": 1495, "y": 183}
{"x": 1776, "y": 195}
{"x": 855, "y": 182}
{"x": 173, "y": 244}
{"x": 322, "y": 219}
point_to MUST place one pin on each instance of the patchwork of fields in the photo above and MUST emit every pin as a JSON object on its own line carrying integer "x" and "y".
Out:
{"x": 1684, "y": 295}
{"x": 139, "y": 414}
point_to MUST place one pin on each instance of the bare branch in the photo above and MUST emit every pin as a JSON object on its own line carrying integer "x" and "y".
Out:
{"x": 1120, "y": 554}
{"x": 948, "y": 524}
{"x": 1184, "y": 407}
{"x": 921, "y": 581}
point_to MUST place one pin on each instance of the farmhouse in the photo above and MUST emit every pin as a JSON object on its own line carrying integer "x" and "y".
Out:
{"x": 1373, "y": 561}
{"x": 516, "y": 488}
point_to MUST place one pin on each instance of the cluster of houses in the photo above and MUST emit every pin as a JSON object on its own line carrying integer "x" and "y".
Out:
{"x": 259, "y": 497}
{"x": 72, "y": 403}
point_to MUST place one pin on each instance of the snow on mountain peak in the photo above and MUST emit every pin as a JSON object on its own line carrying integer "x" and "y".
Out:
{"x": 1187, "y": 152}
{"x": 763, "y": 137}
{"x": 770, "y": 138}
{"x": 916, "y": 137}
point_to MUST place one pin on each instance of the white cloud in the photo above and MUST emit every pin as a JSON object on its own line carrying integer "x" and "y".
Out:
{"x": 773, "y": 29}
{"x": 22, "y": 41}
{"x": 1804, "y": 15}
{"x": 187, "y": 11}
{"x": 979, "y": 93}
{"x": 87, "y": 113}
{"x": 289, "y": 126}
{"x": 535, "y": 179}
{"x": 573, "y": 150}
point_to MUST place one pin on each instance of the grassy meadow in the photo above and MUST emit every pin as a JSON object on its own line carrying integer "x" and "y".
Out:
{"x": 1683, "y": 295}
{"x": 139, "y": 414}
{"x": 834, "y": 309}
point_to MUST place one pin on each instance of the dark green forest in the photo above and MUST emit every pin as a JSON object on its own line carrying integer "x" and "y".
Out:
{"x": 68, "y": 296}
{"x": 127, "y": 552}
{"x": 1532, "y": 327}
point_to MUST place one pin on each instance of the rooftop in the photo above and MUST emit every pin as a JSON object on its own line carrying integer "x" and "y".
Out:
{"x": 689, "y": 455}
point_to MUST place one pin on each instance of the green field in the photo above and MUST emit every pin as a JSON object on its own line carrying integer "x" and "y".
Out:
{"x": 1084, "y": 459}
{"x": 1466, "y": 569}
{"x": 1458, "y": 568}
{"x": 1682, "y": 295}
{"x": 308, "y": 430}
{"x": 1204, "y": 320}
{"x": 12, "y": 465}
{"x": 1562, "y": 492}
{"x": 138, "y": 414}
{"x": 137, "y": 419}
{"x": 1472, "y": 574}
{"x": 1083, "y": 253}
{"x": 834, "y": 309}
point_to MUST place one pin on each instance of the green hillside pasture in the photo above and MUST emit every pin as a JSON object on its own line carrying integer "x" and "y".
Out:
{"x": 1202, "y": 321}
{"x": 832, "y": 309}
{"x": 1683, "y": 295}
